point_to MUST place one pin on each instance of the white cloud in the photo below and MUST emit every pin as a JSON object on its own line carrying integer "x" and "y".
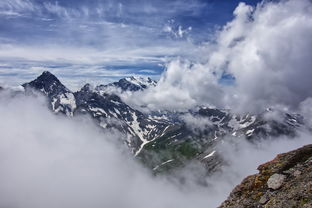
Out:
{"x": 175, "y": 30}
{"x": 58, "y": 10}
{"x": 271, "y": 62}
{"x": 55, "y": 162}
{"x": 52, "y": 161}
{"x": 182, "y": 86}
{"x": 197, "y": 123}
{"x": 73, "y": 76}
{"x": 89, "y": 33}
{"x": 148, "y": 71}
{"x": 85, "y": 64}
{"x": 306, "y": 110}
{"x": 85, "y": 55}
{"x": 17, "y": 6}
{"x": 267, "y": 49}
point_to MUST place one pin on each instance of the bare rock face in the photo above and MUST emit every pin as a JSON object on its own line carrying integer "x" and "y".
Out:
{"x": 284, "y": 182}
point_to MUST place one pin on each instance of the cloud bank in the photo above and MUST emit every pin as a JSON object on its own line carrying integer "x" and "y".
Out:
{"x": 53, "y": 161}
{"x": 50, "y": 161}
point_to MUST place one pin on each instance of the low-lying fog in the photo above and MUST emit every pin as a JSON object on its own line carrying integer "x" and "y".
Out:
{"x": 52, "y": 161}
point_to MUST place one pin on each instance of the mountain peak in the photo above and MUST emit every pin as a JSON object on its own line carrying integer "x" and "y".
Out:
{"x": 46, "y": 75}
{"x": 47, "y": 83}
{"x": 135, "y": 83}
{"x": 139, "y": 79}
{"x": 46, "y": 78}
{"x": 87, "y": 88}
{"x": 132, "y": 83}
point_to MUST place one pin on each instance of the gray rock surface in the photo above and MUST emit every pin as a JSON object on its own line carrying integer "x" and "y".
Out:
{"x": 276, "y": 181}
{"x": 284, "y": 182}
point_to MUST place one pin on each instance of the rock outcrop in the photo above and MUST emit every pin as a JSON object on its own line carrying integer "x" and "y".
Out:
{"x": 286, "y": 181}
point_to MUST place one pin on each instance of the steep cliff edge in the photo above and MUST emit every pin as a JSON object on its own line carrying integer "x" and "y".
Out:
{"x": 286, "y": 181}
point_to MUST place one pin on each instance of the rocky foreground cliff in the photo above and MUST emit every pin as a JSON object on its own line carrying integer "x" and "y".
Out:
{"x": 286, "y": 181}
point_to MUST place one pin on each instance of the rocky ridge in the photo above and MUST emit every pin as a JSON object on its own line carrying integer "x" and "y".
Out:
{"x": 128, "y": 84}
{"x": 284, "y": 182}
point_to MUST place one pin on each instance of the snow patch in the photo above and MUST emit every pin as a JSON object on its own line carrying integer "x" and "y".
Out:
{"x": 164, "y": 163}
{"x": 249, "y": 132}
{"x": 210, "y": 155}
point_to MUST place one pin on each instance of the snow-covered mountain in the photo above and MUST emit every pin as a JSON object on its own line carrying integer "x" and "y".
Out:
{"x": 163, "y": 140}
{"x": 61, "y": 99}
{"x": 108, "y": 110}
{"x": 184, "y": 141}
{"x": 132, "y": 83}
{"x": 111, "y": 112}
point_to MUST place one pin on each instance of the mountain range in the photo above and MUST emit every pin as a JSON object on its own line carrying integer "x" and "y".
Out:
{"x": 163, "y": 140}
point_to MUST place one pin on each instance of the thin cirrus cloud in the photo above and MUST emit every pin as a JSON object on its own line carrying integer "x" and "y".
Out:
{"x": 104, "y": 33}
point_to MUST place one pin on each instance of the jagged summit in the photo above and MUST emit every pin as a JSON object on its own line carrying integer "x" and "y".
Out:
{"x": 87, "y": 88}
{"x": 47, "y": 83}
{"x": 139, "y": 82}
{"x": 47, "y": 76}
{"x": 47, "y": 73}
{"x": 133, "y": 83}
{"x": 61, "y": 99}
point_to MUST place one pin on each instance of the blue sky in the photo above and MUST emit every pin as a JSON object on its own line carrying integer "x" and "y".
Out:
{"x": 100, "y": 41}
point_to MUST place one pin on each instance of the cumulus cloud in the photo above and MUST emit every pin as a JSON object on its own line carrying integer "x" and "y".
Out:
{"x": 182, "y": 86}
{"x": 266, "y": 49}
{"x": 270, "y": 60}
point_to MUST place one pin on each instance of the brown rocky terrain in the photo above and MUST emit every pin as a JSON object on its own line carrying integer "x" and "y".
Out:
{"x": 284, "y": 182}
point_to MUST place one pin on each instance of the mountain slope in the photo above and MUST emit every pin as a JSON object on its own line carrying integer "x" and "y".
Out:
{"x": 128, "y": 84}
{"x": 62, "y": 99}
{"x": 183, "y": 142}
{"x": 286, "y": 181}
{"x": 108, "y": 110}
{"x": 164, "y": 140}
